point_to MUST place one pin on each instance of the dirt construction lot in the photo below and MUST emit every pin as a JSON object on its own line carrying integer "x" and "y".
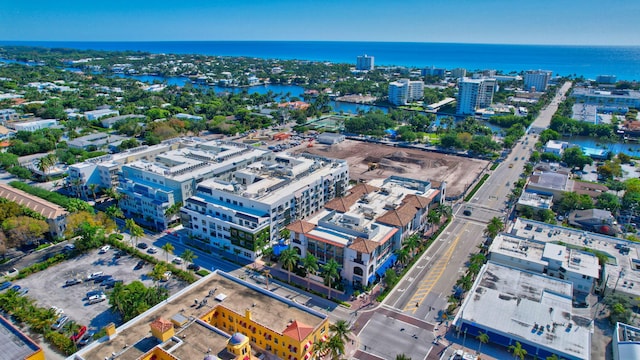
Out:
{"x": 46, "y": 287}
{"x": 457, "y": 171}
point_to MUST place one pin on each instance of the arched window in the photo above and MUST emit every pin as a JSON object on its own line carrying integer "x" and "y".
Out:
{"x": 358, "y": 271}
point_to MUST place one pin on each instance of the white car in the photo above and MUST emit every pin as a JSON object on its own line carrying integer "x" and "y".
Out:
{"x": 94, "y": 275}
{"x": 152, "y": 250}
{"x": 178, "y": 261}
{"x": 97, "y": 298}
{"x": 104, "y": 249}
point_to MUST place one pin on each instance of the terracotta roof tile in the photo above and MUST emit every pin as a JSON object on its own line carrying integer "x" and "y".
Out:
{"x": 300, "y": 227}
{"x": 297, "y": 331}
{"x": 43, "y": 207}
{"x": 161, "y": 324}
{"x": 401, "y": 216}
{"x": 363, "y": 245}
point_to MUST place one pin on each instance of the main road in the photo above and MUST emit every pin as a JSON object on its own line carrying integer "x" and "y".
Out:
{"x": 424, "y": 290}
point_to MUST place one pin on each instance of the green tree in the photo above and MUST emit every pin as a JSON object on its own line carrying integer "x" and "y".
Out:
{"x": 433, "y": 217}
{"x": 135, "y": 231}
{"x": 133, "y": 299}
{"x": 517, "y": 350}
{"x": 402, "y": 357}
{"x": 390, "y": 278}
{"x": 188, "y": 255}
{"x": 403, "y": 255}
{"x": 24, "y": 229}
{"x": 330, "y": 273}
{"x": 168, "y": 249}
{"x": 482, "y": 338}
{"x": 574, "y": 157}
{"x": 310, "y": 263}
{"x": 336, "y": 347}
{"x": 158, "y": 271}
{"x": 494, "y": 227}
{"x": 289, "y": 259}
{"x": 114, "y": 212}
{"x": 341, "y": 329}
{"x": 411, "y": 243}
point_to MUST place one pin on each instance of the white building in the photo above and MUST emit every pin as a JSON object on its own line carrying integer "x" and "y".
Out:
{"x": 474, "y": 94}
{"x": 362, "y": 229}
{"x": 33, "y": 125}
{"x": 626, "y": 342}
{"x": 615, "y": 98}
{"x": 556, "y": 147}
{"x": 580, "y": 268}
{"x": 535, "y": 310}
{"x": 245, "y": 208}
{"x": 365, "y": 62}
{"x": 8, "y": 115}
{"x": 536, "y": 80}
{"x": 97, "y": 114}
{"x": 405, "y": 91}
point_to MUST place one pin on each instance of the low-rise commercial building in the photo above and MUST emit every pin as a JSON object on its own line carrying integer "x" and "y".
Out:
{"x": 56, "y": 216}
{"x": 512, "y": 305}
{"x": 94, "y": 141}
{"x": 626, "y": 342}
{"x": 616, "y": 98}
{"x": 98, "y": 114}
{"x": 230, "y": 320}
{"x": 33, "y": 125}
{"x": 14, "y": 344}
{"x": 556, "y": 147}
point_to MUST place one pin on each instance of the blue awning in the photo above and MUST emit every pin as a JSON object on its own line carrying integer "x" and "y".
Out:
{"x": 279, "y": 248}
{"x": 386, "y": 264}
{"x": 372, "y": 278}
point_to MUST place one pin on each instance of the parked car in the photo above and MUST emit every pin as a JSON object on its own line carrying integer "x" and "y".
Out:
{"x": 97, "y": 298}
{"x": 57, "y": 311}
{"x": 77, "y": 336}
{"x": 139, "y": 265}
{"x": 103, "y": 278}
{"x": 94, "y": 275}
{"x": 111, "y": 283}
{"x": 104, "y": 249}
{"x": 61, "y": 321}
{"x": 152, "y": 250}
{"x": 69, "y": 247}
{"x": 16, "y": 288}
{"x": 88, "y": 336}
{"x": 467, "y": 212}
{"x": 5, "y": 285}
{"x": 142, "y": 245}
{"x": 23, "y": 291}
{"x": 72, "y": 282}
{"x": 93, "y": 293}
{"x": 120, "y": 254}
{"x": 166, "y": 276}
{"x": 178, "y": 261}
{"x": 193, "y": 267}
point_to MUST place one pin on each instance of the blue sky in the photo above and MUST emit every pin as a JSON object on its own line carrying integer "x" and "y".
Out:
{"x": 579, "y": 22}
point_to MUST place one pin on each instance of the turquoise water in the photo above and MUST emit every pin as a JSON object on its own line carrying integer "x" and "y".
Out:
{"x": 588, "y": 61}
{"x": 629, "y": 148}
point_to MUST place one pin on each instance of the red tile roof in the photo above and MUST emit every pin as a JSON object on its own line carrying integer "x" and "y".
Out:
{"x": 161, "y": 324}
{"x": 297, "y": 331}
{"x": 363, "y": 245}
{"x": 300, "y": 227}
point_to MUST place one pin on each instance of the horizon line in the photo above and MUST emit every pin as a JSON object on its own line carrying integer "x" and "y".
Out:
{"x": 2, "y": 41}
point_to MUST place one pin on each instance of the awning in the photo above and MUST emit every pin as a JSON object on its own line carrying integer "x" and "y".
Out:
{"x": 386, "y": 264}
{"x": 372, "y": 278}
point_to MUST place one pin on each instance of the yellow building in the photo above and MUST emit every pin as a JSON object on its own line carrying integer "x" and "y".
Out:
{"x": 218, "y": 317}
{"x": 16, "y": 345}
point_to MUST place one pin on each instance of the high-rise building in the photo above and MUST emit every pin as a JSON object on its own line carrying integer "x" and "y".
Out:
{"x": 474, "y": 94}
{"x": 536, "y": 80}
{"x": 404, "y": 91}
{"x": 606, "y": 79}
{"x": 365, "y": 62}
{"x": 458, "y": 73}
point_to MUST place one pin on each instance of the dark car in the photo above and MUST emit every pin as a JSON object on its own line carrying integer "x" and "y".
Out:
{"x": 103, "y": 278}
{"x": 467, "y": 212}
{"x": 142, "y": 246}
{"x": 193, "y": 267}
{"x": 120, "y": 254}
{"x": 111, "y": 283}
{"x": 5, "y": 285}
{"x": 72, "y": 282}
{"x": 16, "y": 288}
{"x": 86, "y": 338}
{"x": 139, "y": 265}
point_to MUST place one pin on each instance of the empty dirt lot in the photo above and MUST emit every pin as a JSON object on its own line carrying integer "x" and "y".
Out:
{"x": 457, "y": 171}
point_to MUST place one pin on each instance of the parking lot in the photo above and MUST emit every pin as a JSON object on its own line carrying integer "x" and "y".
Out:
{"x": 48, "y": 287}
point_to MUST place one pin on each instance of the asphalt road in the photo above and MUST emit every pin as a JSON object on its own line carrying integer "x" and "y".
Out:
{"x": 424, "y": 290}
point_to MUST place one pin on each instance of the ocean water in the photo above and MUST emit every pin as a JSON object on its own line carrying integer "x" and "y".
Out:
{"x": 587, "y": 61}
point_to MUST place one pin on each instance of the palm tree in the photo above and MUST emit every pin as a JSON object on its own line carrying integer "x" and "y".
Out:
{"x": 188, "y": 255}
{"x": 114, "y": 212}
{"x": 267, "y": 275}
{"x": 494, "y": 227}
{"x": 289, "y": 258}
{"x": 77, "y": 186}
{"x": 465, "y": 282}
{"x": 134, "y": 230}
{"x": 92, "y": 188}
{"x": 411, "y": 243}
{"x": 483, "y": 338}
{"x": 433, "y": 217}
{"x": 340, "y": 329}
{"x": 330, "y": 273}
{"x": 310, "y": 263}
{"x": 336, "y": 346}
{"x": 444, "y": 210}
{"x": 44, "y": 164}
{"x": 168, "y": 249}
{"x": 518, "y": 351}
{"x": 318, "y": 348}
{"x": 403, "y": 255}
{"x": 402, "y": 357}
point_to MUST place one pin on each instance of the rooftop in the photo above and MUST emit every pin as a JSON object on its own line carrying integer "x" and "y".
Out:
{"x": 550, "y": 180}
{"x": 623, "y": 264}
{"x": 13, "y": 343}
{"x": 534, "y": 308}
{"x": 220, "y": 289}
{"x": 628, "y": 341}
{"x": 43, "y": 207}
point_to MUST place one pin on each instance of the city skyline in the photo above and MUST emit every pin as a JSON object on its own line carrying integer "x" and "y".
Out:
{"x": 467, "y": 21}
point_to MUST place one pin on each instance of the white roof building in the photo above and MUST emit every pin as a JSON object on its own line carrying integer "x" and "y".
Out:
{"x": 512, "y": 305}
